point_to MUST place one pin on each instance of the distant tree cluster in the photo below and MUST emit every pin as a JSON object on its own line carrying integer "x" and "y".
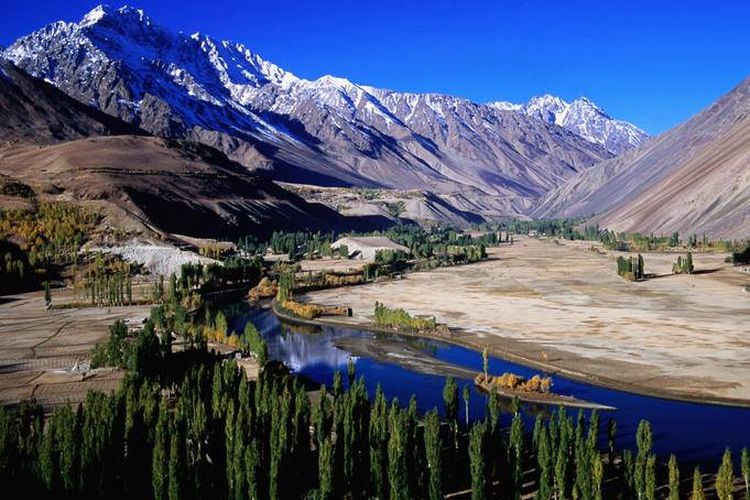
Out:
{"x": 463, "y": 254}
{"x": 107, "y": 280}
{"x": 140, "y": 354}
{"x": 684, "y": 266}
{"x": 742, "y": 257}
{"x": 216, "y": 329}
{"x": 285, "y": 288}
{"x": 50, "y": 233}
{"x": 16, "y": 273}
{"x": 388, "y": 257}
{"x": 631, "y": 268}
{"x": 35, "y": 243}
{"x": 515, "y": 382}
{"x": 402, "y": 320}
{"x": 434, "y": 243}
{"x": 297, "y": 244}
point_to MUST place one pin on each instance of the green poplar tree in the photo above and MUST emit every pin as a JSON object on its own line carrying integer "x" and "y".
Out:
{"x": 561, "y": 473}
{"x": 351, "y": 371}
{"x": 467, "y": 396}
{"x": 379, "y": 444}
{"x": 252, "y": 469}
{"x": 325, "y": 470}
{"x": 47, "y": 294}
{"x": 397, "y": 455}
{"x": 698, "y": 493}
{"x": 674, "y": 478}
{"x": 544, "y": 459}
{"x": 628, "y": 469}
{"x": 597, "y": 473}
{"x": 611, "y": 433}
{"x": 725, "y": 477}
{"x": 493, "y": 407}
{"x": 477, "y": 445}
{"x": 177, "y": 472}
{"x": 644, "y": 440}
{"x": 515, "y": 450}
{"x": 48, "y": 456}
{"x": 9, "y": 447}
{"x": 68, "y": 439}
{"x": 450, "y": 398}
{"x": 433, "y": 452}
{"x": 338, "y": 385}
{"x": 745, "y": 469}
{"x": 650, "y": 479}
{"x": 160, "y": 454}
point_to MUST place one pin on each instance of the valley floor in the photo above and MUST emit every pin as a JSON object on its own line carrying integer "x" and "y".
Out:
{"x": 561, "y": 305}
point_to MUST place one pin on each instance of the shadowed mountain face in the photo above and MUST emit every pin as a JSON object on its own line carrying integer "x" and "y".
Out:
{"x": 171, "y": 187}
{"x": 328, "y": 132}
{"x": 694, "y": 178}
{"x": 35, "y": 112}
{"x": 68, "y": 151}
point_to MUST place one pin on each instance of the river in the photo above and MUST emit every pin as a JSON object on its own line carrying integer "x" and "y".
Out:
{"x": 697, "y": 433}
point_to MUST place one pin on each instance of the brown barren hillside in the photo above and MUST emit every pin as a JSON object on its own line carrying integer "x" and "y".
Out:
{"x": 66, "y": 150}
{"x": 694, "y": 178}
{"x": 710, "y": 193}
{"x": 168, "y": 186}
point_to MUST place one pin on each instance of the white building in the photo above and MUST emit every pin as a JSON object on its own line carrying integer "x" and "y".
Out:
{"x": 365, "y": 247}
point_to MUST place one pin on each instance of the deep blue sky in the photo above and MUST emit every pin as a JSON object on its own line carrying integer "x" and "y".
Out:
{"x": 654, "y": 63}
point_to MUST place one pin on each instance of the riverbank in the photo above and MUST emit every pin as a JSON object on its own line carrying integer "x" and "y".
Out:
{"x": 514, "y": 353}
{"x": 445, "y": 370}
{"x": 561, "y": 308}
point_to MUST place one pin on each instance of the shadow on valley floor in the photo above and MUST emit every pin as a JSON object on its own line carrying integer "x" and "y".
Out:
{"x": 655, "y": 276}
{"x": 6, "y": 299}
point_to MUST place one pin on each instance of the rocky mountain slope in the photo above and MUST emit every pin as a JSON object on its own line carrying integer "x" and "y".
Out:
{"x": 584, "y": 118}
{"x": 422, "y": 207}
{"x": 694, "y": 178}
{"x": 328, "y": 131}
{"x": 64, "y": 150}
{"x": 36, "y": 112}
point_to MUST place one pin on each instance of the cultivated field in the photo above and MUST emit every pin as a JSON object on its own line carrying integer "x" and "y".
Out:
{"x": 38, "y": 348}
{"x": 562, "y": 304}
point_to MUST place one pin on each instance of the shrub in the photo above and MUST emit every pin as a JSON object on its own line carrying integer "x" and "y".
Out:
{"x": 402, "y": 320}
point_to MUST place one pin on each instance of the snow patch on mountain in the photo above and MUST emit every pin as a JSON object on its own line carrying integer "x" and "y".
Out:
{"x": 328, "y": 129}
{"x": 582, "y": 117}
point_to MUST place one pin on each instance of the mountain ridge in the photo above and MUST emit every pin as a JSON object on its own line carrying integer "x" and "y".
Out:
{"x": 582, "y": 117}
{"x": 63, "y": 150}
{"x": 665, "y": 185}
{"x": 328, "y": 131}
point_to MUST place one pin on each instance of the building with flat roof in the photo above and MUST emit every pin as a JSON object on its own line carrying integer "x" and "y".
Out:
{"x": 365, "y": 247}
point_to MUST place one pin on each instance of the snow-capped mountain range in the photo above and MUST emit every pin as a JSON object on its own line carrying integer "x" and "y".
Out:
{"x": 581, "y": 117}
{"x": 487, "y": 158}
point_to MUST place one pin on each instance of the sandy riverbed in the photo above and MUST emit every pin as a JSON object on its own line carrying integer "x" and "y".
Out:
{"x": 563, "y": 305}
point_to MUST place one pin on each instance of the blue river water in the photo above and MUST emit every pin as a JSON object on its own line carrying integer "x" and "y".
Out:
{"x": 697, "y": 433}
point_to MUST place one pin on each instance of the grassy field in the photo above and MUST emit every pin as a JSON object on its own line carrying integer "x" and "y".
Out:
{"x": 562, "y": 304}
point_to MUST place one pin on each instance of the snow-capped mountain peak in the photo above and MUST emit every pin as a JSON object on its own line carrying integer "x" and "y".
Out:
{"x": 582, "y": 117}
{"x": 328, "y": 129}
{"x": 94, "y": 16}
{"x": 124, "y": 14}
